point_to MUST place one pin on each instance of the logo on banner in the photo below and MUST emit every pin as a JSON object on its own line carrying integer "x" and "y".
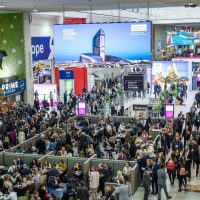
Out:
{"x": 41, "y": 48}
{"x": 66, "y": 74}
{"x": 69, "y": 34}
{"x": 138, "y": 27}
{"x": 14, "y": 87}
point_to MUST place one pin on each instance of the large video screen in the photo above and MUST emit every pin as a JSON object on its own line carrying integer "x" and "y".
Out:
{"x": 183, "y": 38}
{"x": 169, "y": 68}
{"x": 106, "y": 42}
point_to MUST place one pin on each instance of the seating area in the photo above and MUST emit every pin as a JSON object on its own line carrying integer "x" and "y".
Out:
{"x": 41, "y": 164}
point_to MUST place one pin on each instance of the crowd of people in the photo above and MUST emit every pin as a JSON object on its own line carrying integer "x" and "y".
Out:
{"x": 113, "y": 139}
{"x": 172, "y": 154}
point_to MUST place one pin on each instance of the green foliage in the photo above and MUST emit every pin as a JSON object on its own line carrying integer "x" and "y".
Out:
{"x": 159, "y": 106}
{"x": 119, "y": 90}
{"x": 107, "y": 98}
{"x": 12, "y": 41}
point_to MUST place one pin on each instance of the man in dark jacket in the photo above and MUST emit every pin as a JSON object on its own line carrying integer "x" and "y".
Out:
{"x": 189, "y": 157}
{"x": 83, "y": 192}
{"x": 146, "y": 182}
{"x": 155, "y": 167}
{"x": 197, "y": 160}
{"x": 197, "y": 98}
{"x": 83, "y": 142}
{"x": 40, "y": 145}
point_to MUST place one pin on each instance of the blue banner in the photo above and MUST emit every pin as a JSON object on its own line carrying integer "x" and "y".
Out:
{"x": 66, "y": 74}
{"x": 41, "y": 48}
{"x": 13, "y": 87}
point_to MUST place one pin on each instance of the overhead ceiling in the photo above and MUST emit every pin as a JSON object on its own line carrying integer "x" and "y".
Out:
{"x": 77, "y": 5}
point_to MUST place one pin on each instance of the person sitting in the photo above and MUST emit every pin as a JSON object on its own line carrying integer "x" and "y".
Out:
{"x": 36, "y": 196}
{"x": 119, "y": 176}
{"x": 46, "y": 165}
{"x": 77, "y": 173}
{"x": 12, "y": 195}
{"x": 13, "y": 167}
{"x": 90, "y": 150}
{"x": 33, "y": 164}
{"x": 53, "y": 182}
{"x": 20, "y": 162}
{"x": 25, "y": 171}
{"x": 99, "y": 153}
{"x": 127, "y": 168}
{"x": 122, "y": 155}
{"x": 7, "y": 181}
{"x": 61, "y": 166}
{"x": 62, "y": 152}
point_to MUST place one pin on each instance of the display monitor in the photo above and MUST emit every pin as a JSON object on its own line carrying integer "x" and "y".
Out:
{"x": 82, "y": 108}
{"x": 169, "y": 111}
{"x": 105, "y": 42}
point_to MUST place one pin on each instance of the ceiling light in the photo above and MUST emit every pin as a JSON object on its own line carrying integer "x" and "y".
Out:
{"x": 35, "y": 10}
{"x": 2, "y": 5}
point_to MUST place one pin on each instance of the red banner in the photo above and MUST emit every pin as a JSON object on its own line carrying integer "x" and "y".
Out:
{"x": 74, "y": 20}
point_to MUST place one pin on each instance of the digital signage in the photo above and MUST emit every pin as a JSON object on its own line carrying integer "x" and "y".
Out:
{"x": 135, "y": 82}
{"x": 106, "y": 42}
{"x": 163, "y": 69}
{"x": 198, "y": 80}
{"x": 81, "y": 108}
{"x": 44, "y": 93}
{"x": 169, "y": 111}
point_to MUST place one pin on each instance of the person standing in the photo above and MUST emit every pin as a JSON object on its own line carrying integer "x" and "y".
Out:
{"x": 83, "y": 192}
{"x": 155, "y": 167}
{"x": 122, "y": 191}
{"x": 162, "y": 182}
{"x": 185, "y": 88}
{"x": 188, "y": 157}
{"x": 197, "y": 160}
{"x": 146, "y": 182}
{"x": 171, "y": 169}
{"x": 51, "y": 98}
{"x": 65, "y": 97}
{"x": 94, "y": 182}
{"x": 197, "y": 98}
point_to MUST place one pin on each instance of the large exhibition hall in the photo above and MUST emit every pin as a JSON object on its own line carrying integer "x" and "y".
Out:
{"x": 99, "y": 99}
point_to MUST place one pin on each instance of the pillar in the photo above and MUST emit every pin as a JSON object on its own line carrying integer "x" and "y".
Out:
{"x": 28, "y": 59}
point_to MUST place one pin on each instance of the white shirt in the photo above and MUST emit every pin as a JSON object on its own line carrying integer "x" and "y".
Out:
{"x": 11, "y": 196}
{"x": 94, "y": 179}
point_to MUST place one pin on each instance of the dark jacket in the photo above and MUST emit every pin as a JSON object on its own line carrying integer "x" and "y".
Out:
{"x": 196, "y": 157}
{"x": 83, "y": 193}
{"x": 155, "y": 168}
{"x": 146, "y": 180}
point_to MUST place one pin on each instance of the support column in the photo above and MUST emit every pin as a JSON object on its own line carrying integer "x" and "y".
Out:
{"x": 29, "y": 94}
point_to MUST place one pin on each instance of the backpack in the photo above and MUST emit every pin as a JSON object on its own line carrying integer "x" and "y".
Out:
{"x": 182, "y": 171}
{"x": 170, "y": 165}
